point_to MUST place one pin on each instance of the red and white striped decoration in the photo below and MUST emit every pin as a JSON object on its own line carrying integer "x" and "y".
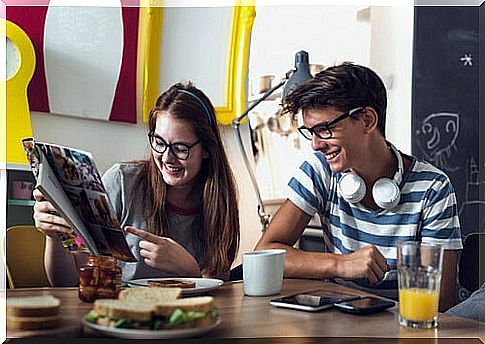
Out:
{"x": 86, "y": 58}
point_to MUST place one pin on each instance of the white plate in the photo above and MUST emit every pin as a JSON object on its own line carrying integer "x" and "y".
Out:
{"x": 150, "y": 334}
{"x": 202, "y": 285}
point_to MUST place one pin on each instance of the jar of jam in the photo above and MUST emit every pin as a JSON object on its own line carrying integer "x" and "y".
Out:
{"x": 99, "y": 278}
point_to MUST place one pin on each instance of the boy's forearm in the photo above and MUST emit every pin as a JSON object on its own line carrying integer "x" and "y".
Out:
{"x": 302, "y": 264}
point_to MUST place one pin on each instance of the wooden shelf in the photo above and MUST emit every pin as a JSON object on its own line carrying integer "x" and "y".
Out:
{"x": 19, "y": 167}
{"x": 21, "y": 202}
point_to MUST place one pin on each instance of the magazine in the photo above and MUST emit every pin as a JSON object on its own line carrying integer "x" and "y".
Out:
{"x": 69, "y": 179}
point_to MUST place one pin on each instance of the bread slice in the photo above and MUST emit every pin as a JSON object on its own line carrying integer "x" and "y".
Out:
{"x": 32, "y": 323}
{"x": 196, "y": 304}
{"x": 121, "y": 309}
{"x": 172, "y": 283}
{"x": 33, "y": 306}
{"x": 149, "y": 295}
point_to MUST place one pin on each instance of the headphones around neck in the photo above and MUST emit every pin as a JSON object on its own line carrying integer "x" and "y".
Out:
{"x": 385, "y": 191}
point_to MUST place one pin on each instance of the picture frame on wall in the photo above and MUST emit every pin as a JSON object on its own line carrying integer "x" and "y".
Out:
{"x": 206, "y": 45}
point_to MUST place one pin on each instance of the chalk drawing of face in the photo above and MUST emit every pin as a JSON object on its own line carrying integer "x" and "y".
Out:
{"x": 436, "y": 137}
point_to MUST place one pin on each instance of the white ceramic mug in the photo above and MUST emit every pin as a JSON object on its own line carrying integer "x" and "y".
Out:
{"x": 263, "y": 272}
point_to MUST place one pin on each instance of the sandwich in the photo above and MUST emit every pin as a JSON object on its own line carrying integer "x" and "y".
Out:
{"x": 120, "y": 314}
{"x": 194, "y": 312}
{"x": 153, "y": 310}
{"x": 149, "y": 295}
{"x": 33, "y": 313}
{"x": 171, "y": 283}
{"x": 132, "y": 309}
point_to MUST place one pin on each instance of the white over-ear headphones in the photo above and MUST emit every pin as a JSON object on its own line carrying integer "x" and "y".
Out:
{"x": 385, "y": 191}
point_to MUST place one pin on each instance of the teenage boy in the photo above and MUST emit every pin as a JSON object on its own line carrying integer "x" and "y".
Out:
{"x": 367, "y": 194}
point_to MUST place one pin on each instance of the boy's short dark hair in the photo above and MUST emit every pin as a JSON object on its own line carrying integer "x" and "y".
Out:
{"x": 344, "y": 87}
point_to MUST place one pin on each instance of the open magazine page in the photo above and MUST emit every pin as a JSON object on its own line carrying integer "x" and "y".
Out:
{"x": 50, "y": 187}
{"x": 69, "y": 240}
{"x": 79, "y": 178}
{"x": 82, "y": 183}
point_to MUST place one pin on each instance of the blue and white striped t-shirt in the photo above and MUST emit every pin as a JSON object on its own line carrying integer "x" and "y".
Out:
{"x": 427, "y": 211}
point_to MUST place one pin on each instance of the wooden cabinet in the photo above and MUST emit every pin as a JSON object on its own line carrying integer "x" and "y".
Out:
{"x": 19, "y": 196}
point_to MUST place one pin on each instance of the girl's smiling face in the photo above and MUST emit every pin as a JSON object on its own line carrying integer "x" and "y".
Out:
{"x": 178, "y": 173}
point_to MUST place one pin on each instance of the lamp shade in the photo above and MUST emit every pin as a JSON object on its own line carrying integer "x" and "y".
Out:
{"x": 301, "y": 73}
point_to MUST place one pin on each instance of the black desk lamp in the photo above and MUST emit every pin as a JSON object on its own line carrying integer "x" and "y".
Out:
{"x": 292, "y": 78}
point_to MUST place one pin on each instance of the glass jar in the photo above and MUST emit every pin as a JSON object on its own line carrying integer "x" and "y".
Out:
{"x": 99, "y": 278}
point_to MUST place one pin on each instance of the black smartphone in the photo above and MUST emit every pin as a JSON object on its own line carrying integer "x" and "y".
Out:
{"x": 312, "y": 301}
{"x": 365, "y": 305}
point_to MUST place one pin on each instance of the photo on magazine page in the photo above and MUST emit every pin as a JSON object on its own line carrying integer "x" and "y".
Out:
{"x": 81, "y": 182}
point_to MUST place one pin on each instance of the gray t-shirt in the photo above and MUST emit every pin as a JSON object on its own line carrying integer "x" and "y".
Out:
{"x": 127, "y": 195}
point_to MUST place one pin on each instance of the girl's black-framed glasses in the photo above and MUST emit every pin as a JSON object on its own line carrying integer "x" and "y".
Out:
{"x": 322, "y": 130}
{"x": 180, "y": 150}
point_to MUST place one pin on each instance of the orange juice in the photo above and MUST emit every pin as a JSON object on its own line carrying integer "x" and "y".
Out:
{"x": 416, "y": 304}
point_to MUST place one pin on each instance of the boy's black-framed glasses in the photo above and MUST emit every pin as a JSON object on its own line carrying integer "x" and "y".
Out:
{"x": 322, "y": 130}
{"x": 180, "y": 150}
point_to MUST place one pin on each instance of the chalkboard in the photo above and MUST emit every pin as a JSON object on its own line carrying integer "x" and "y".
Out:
{"x": 445, "y": 106}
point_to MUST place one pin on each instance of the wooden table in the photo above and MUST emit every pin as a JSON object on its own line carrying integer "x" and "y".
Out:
{"x": 254, "y": 317}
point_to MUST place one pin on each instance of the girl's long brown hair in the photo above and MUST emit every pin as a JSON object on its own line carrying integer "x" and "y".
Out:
{"x": 218, "y": 239}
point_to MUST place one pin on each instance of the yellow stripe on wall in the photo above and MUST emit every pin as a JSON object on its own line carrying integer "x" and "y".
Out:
{"x": 242, "y": 23}
{"x": 151, "y": 23}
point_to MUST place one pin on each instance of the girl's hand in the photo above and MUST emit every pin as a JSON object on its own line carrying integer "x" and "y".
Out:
{"x": 165, "y": 254}
{"x": 46, "y": 217}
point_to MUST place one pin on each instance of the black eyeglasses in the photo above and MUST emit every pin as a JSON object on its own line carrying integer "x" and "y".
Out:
{"x": 181, "y": 150}
{"x": 322, "y": 130}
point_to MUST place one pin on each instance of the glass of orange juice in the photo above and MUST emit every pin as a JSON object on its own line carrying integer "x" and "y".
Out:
{"x": 419, "y": 277}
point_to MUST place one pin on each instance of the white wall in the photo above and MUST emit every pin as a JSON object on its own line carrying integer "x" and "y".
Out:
{"x": 391, "y": 57}
{"x": 330, "y": 34}
{"x": 109, "y": 142}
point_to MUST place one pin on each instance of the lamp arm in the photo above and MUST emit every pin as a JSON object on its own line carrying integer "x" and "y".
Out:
{"x": 236, "y": 123}
{"x": 263, "y": 217}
